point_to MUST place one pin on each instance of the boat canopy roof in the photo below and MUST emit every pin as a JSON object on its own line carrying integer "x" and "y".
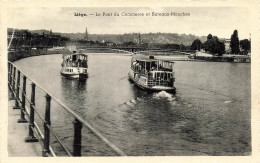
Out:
{"x": 144, "y": 58}
{"x": 139, "y": 57}
{"x": 75, "y": 56}
{"x": 82, "y": 54}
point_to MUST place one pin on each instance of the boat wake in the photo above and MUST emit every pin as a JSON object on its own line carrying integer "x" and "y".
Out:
{"x": 132, "y": 102}
{"x": 164, "y": 94}
{"x": 226, "y": 102}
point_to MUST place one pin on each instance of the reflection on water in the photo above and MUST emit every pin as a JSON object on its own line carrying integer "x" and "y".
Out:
{"x": 208, "y": 115}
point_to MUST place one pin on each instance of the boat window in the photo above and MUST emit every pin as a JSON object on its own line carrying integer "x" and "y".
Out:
{"x": 74, "y": 57}
{"x": 169, "y": 75}
{"x": 164, "y": 76}
{"x": 157, "y": 75}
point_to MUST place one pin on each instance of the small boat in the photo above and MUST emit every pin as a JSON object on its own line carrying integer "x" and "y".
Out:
{"x": 74, "y": 66}
{"x": 152, "y": 74}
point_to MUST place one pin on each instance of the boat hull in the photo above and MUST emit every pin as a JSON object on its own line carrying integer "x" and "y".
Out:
{"x": 148, "y": 88}
{"x": 74, "y": 75}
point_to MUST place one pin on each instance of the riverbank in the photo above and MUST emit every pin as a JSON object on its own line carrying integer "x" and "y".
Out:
{"x": 233, "y": 58}
{"x": 224, "y": 58}
{"x": 16, "y": 55}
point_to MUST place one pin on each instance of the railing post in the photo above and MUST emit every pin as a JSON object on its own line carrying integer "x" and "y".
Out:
{"x": 17, "y": 91}
{"x": 11, "y": 83}
{"x": 22, "y": 119}
{"x": 77, "y": 138}
{"x": 46, "y": 149}
{"x": 9, "y": 71}
{"x": 31, "y": 137}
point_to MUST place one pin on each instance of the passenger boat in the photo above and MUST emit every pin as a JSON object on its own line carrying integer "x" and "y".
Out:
{"x": 152, "y": 74}
{"x": 75, "y": 66}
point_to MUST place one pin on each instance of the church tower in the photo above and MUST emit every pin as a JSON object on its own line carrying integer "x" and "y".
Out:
{"x": 139, "y": 39}
{"x": 86, "y": 34}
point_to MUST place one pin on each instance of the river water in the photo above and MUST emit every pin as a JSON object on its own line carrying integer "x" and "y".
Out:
{"x": 208, "y": 115}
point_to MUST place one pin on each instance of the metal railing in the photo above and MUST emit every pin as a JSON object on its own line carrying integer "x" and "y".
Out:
{"x": 159, "y": 82}
{"x": 14, "y": 75}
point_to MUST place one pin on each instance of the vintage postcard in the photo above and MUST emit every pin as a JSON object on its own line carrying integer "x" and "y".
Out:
{"x": 130, "y": 81}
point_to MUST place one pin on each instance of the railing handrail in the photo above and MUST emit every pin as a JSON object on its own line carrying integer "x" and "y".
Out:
{"x": 75, "y": 115}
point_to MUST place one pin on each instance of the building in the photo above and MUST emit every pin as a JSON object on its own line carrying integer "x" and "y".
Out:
{"x": 138, "y": 40}
{"x": 227, "y": 44}
{"x": 18, "y": 38}
{"x": 109, "y": 43}
{"x": 19, "y": 34}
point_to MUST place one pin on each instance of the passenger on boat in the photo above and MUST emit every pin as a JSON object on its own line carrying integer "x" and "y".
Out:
{"x": 160, "y": 67}
{"x": 142, "y": 71}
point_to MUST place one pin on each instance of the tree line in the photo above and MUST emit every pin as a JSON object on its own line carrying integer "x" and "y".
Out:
{"x": 216, "y": 47}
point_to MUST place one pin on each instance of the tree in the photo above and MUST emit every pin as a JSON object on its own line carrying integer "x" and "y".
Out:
{"x": 129, "y": 44}
{"x": 246, "y": 45}
{"x": 234, "y": 44}
{"x": 196, "y": 45}
{"x": 218, "y": 47}
{"x": 208, "y": 44}
{"x": 214, "y": 46}
{"x": 209, "y": 37}
{"x": 182, "y": 47}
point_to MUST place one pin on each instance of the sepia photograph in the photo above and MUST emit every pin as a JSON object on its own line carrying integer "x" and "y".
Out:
{"x": 128, "y": 81}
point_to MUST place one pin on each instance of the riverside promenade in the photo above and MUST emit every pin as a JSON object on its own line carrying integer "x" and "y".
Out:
{"x": 17, "y": 147}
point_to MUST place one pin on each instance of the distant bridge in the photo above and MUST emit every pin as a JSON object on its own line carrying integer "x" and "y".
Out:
{"x": 136, "y": 49}
{"x": 124, "y": 49}
{"x": 183, "y": 59}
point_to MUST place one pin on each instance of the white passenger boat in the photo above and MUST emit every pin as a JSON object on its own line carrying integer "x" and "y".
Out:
{"x": 75, "y": 66}
{"x": 152, "y": 74}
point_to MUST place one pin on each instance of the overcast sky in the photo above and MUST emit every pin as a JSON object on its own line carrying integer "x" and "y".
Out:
{"x": 202, "y": 21}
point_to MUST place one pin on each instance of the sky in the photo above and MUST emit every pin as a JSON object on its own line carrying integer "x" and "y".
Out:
{"x": 219, "y": 21}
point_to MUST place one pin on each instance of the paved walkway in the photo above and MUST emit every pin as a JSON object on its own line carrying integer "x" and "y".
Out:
{"x": 17, "y": 132}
